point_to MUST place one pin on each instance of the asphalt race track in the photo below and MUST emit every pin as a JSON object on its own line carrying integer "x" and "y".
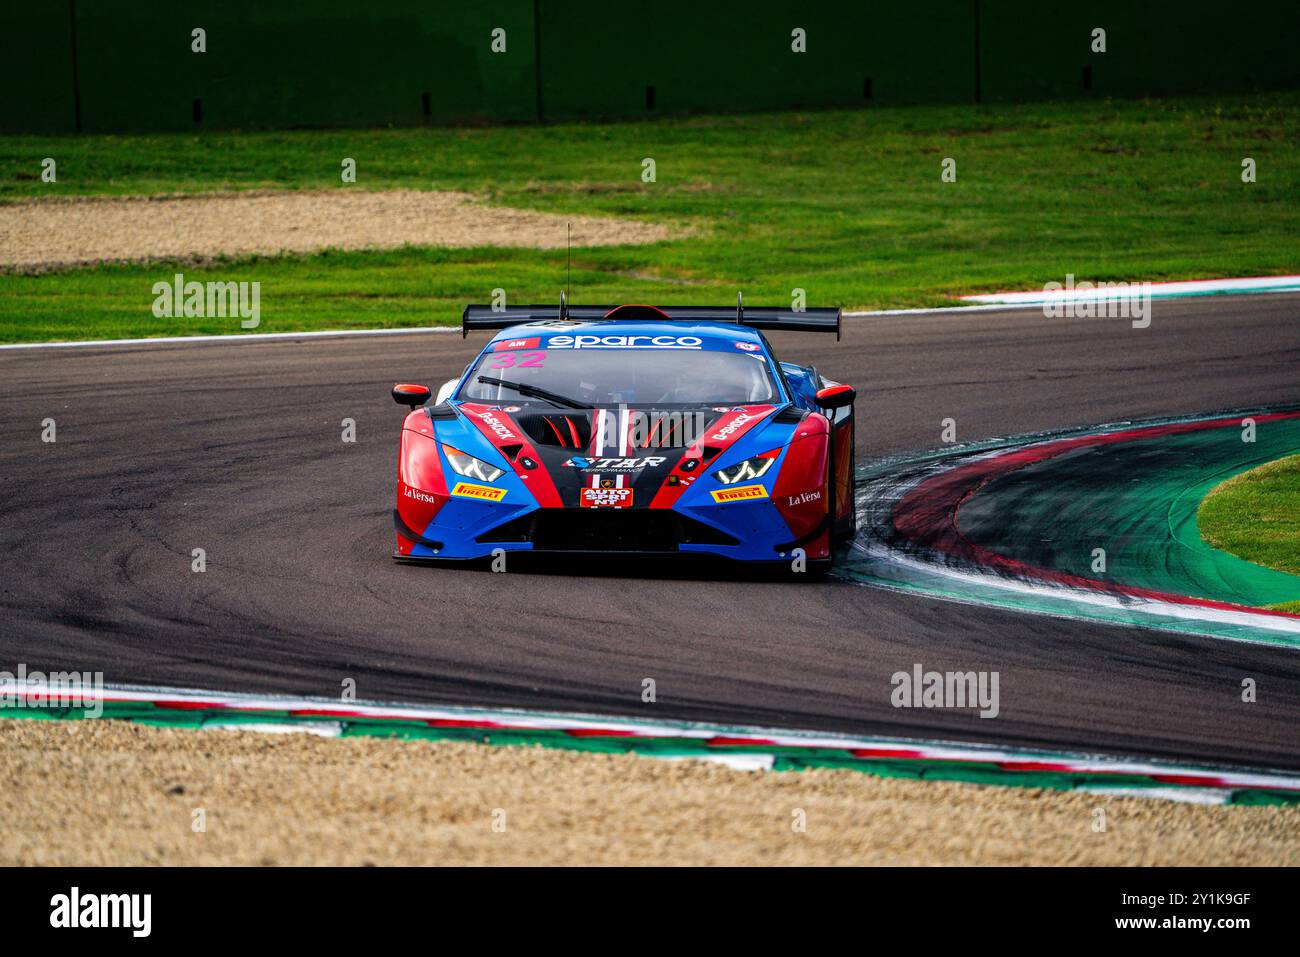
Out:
{"x": 236, "y": 449}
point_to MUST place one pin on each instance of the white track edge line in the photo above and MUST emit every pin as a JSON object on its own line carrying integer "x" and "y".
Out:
{"x": 1158, "y": 290}
{"x": 232, "y": 337}
{"x": 345, "y": 333}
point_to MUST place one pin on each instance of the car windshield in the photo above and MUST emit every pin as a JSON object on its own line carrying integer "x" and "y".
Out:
{"x": 659, "y": 377}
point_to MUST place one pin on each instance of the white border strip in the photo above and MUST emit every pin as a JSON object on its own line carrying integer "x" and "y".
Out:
{"x": 939, "y": 310}
{"x": 236, "y": 337}
{"x": 232, "y": 337}
{"x": 1159, "y": 290}
{"x": 325, "y": 710}
{"x": 996, "y": 302}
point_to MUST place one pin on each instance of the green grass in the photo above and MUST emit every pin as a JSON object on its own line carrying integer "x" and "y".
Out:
{"x": 847, "y": 205}
{"x": 1256, "y": 516}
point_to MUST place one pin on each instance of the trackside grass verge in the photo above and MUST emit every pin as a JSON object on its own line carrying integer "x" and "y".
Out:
{"x": 846, "y": 205}
{"x": 1256, "y": 516}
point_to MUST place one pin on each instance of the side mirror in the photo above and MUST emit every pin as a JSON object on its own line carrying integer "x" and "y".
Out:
{"x": 836, "y": 396}
{"x": 404, "y": 393}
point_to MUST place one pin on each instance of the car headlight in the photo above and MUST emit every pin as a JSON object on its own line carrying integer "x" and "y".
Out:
{"x": 747, "y": 470}
{"x": 471, "y": 467}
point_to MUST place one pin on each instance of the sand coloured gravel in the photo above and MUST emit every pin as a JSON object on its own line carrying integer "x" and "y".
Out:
{"x": 44, "y": 234}
{"x": 110, "y": 792}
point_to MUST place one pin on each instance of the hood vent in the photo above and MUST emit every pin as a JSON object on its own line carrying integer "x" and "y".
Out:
{"x": 658, "y": 429}
{"x": 565, "y": 430}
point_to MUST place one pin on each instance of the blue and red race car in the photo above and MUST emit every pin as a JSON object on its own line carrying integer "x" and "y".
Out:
{"x": 629, "y": 429}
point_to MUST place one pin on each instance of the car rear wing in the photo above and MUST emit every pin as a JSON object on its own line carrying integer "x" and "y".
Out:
{"x": 762, "y": 317}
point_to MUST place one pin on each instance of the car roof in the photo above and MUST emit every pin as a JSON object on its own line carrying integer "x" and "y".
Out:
{"x": 714, "y": 331}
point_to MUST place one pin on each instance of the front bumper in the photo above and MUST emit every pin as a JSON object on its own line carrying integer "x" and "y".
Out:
{"x": 748, "y": 532}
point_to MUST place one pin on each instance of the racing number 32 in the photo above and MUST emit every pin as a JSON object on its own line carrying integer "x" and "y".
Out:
{"x": 519, "y": 360}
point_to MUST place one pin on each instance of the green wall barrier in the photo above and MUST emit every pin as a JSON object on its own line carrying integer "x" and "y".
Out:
{"x": 296, "y": 63}
{"x": 303, "y": 63}
{"x": 37, "y": 88}
{"x": 1035, "y": 50}
{"x": 729, "y": 54}
{"x": 311, "y": 63}
{"x": 921, "y": 52}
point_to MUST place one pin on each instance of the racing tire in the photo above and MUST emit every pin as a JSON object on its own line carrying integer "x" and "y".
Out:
{"x": 843, "y": 530}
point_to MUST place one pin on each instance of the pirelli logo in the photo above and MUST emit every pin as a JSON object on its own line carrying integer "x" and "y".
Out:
{"x": 484, "y": 492}
{"x": 744, "y": 493}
